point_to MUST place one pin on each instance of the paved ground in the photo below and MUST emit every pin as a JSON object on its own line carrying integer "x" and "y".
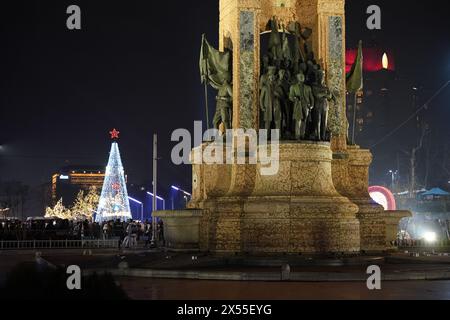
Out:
{"x": 148, "y": 288}
{"x": 153, "y": 289}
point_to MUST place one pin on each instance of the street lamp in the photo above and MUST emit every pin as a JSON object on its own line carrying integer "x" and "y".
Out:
{"x": 185, "y": 193}
{"x": 159, "y": 198}
{"x": 393, "y": 174}
{"x": 142, "y": 207}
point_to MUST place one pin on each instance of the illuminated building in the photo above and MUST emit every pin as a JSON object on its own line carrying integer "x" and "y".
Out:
{"x": 388, "y": 97}
{"x": 72, "y": 179}
{"x": 373, "y": 105}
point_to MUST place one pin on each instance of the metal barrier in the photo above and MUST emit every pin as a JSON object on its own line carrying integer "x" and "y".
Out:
{"x": 59, "y": 244}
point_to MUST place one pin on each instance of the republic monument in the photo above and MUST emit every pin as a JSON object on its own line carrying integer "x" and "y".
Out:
{"x": 318, "y": 202}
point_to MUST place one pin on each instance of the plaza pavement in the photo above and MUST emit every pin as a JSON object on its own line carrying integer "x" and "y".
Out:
{"x": 146, "y": 274}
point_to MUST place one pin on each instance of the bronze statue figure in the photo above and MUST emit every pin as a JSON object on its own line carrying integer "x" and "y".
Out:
{"x": 224, "y": 106}
{"x": 267, "y": 97}
{"x": 216, "y": 71}
{"x": 283, "y": 87}
{"x": 286, "y": 50}
{"x": 302, "y": 97}
{"x": 275, "y": 43}
{"x": 279, "y": 100}
{"x": 322, "y": 96}
{"x": 265, "y": 64}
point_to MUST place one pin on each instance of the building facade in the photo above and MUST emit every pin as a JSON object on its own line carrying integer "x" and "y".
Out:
{"x": 69, "y": 181}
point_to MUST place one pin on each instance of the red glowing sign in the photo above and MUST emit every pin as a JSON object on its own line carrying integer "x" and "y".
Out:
{"x": 372, "y": 59}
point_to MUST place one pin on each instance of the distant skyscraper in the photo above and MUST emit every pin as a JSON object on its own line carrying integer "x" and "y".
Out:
{"x": 114, "y": 203}
{"x": 382, "y": 102}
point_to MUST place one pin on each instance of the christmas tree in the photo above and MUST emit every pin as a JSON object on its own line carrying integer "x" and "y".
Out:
{"x": 114, "y": 203}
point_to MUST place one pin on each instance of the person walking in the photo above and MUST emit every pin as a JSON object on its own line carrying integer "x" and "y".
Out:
{"x": 105, "y": 231}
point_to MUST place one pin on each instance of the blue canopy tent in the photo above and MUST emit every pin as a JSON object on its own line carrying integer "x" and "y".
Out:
{"x": 435, "y": 193}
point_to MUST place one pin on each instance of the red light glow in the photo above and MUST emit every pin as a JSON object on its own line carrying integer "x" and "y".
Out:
{"x": 372, "y": 59}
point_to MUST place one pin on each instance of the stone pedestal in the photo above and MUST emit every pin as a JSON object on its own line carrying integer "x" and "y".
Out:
{"x": 295, "y": 211}
{"x": 181, "y": 228}
{"x": 351, "y": 178}
{"x": 392, "y": 219}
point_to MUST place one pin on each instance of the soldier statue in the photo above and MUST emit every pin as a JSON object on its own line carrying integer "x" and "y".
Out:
{"x": 271, "y": 72}
{"x": 302, "y": 97}
{"x": 265, "y": 64}
{"x": 283, "y": 85}
{"x": 322, "y": 97}
{"x": 224, "y": 106}
{"x": 279, "y": 101}
{"x": 270, "y": 100}
{"x": 275, "y": 44}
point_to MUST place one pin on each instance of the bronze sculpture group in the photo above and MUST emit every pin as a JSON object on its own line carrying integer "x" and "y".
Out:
{"x": 293, "y": 96}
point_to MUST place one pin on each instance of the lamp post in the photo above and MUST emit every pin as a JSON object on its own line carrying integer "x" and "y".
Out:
{"x": 393, "y": 174}
{"x": 142, "y": 207}
{"x": 155, "y": 183}
{"x": 181, "y": 190}
{"x": 158, "y": 198}
{"x": 186, "y": 194}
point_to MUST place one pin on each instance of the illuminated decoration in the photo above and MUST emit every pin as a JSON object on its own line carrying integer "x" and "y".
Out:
{"x": 85, "y": 205}
{"x": 114, "y": 202}
{"x": 385, "y": 61}
{"x": 82, "y": 209}
{"x": 114, "y": 134}
{"x": 383, "y": 197}
{"x": 58, "y": 211}
{"x": 116, "y": 186}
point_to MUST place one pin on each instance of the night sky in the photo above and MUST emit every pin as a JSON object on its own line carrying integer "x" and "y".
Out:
{"x": 134, "y": 66}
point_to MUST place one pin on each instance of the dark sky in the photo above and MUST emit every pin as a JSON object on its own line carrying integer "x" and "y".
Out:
{"x": 134, "y": 66}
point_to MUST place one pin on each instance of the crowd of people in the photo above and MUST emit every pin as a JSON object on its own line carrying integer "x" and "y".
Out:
{"x": 129, "y": 233}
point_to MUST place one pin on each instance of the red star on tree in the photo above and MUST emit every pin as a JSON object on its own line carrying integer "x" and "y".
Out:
{"x": 114, "y": 134}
